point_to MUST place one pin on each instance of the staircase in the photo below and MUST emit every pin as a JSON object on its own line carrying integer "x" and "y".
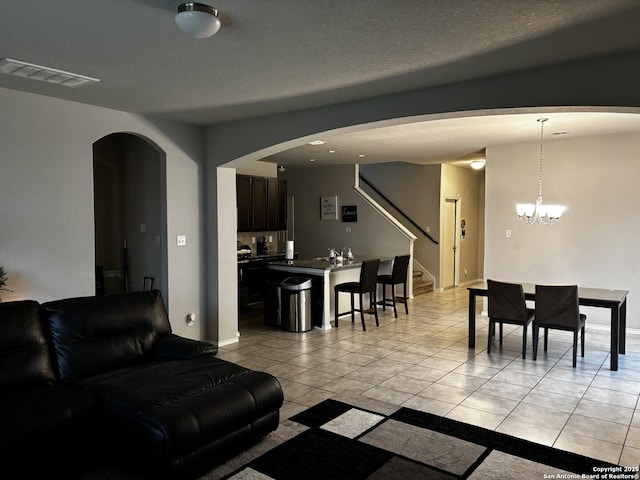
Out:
{"x": 420, "y": 285}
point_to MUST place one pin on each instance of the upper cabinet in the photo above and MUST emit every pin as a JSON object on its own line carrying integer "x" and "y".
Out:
{"x": 261, "y": 202}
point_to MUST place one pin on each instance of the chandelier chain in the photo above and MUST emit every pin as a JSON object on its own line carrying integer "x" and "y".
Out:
{"x": 541, "y": 120}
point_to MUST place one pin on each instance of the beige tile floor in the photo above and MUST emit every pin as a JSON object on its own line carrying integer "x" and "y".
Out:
{"x": 421, "y": 360}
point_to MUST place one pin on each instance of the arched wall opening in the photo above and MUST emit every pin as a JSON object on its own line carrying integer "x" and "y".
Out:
{"x": 566, "y": 87}
{"x": 130, "y": 214}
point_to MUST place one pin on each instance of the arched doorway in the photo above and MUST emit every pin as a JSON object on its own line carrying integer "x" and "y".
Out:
{"x": 130, "y": 214}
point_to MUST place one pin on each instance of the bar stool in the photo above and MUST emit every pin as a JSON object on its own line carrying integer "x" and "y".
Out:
{"x": 367, "y": 284}
{"x": 398, "y": 276}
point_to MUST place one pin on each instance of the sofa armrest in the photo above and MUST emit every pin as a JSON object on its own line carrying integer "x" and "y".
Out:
{"x": 172, "y": 346}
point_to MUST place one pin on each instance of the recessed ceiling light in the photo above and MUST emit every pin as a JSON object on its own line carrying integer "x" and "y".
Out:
{"x": 332, "y": 151}
{"x": 317, "y": 142}
{"x": 22, "y": 69}
{"x": 312, "y": 159}
{"x": 362, "y": 155}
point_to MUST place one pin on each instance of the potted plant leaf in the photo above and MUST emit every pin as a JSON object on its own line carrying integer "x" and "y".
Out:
{"x": 3, "y": 281}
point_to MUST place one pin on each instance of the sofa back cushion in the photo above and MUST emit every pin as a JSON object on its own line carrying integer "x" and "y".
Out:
{"x": 92, "y": 335}
{"x": 25, "y": 355}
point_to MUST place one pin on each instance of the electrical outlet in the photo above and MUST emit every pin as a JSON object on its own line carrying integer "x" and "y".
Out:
{"x": 253, "y": 239}
{"x": 181, "y": 240}
{"x": 347, "y": 230}
{"x": 270, "y": 239}
{"x": 507, "y": 234}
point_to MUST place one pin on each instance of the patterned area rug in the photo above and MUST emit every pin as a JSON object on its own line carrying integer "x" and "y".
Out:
{"x": 342, "y": 441}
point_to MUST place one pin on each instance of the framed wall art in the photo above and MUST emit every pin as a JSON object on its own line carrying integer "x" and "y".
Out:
{"x": 329, "y": 208}
{"x": 349, "y": 213}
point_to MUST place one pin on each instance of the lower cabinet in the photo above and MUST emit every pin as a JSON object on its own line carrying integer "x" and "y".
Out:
{"x": 252, "y": 280}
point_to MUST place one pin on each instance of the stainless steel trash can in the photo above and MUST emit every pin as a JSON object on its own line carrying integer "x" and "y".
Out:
{"x": 295, "y": 304}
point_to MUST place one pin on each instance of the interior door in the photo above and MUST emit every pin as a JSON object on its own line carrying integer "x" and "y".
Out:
{"x": 450, "y": 244}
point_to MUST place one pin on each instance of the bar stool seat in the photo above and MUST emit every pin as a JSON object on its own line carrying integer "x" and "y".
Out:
{"x": 366, "y": 284}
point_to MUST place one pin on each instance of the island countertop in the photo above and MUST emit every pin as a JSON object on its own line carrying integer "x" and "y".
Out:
{"x": 323, "y": 264}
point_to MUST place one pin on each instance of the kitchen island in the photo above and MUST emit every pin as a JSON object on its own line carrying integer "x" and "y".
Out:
{"x": 324, "y": 276}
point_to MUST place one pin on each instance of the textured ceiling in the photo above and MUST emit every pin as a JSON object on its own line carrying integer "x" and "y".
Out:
{"x": 281, "y": 55}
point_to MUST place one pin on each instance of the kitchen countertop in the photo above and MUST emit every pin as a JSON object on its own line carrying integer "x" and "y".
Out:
{"x": 323, "y": 263}
{"x": 267, "y": 257}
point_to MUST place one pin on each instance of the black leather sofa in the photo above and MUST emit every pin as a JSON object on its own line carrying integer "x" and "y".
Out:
{"x": 102, "y": 381}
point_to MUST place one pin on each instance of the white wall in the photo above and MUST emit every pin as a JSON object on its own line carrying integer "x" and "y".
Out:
{"x": 46, "y": 198}
{"x": 595, "y": 242}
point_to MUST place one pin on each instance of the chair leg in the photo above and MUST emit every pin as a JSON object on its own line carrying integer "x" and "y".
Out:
{"x": 524, "y": 342}
{"x": 384, "y": 296}
{"x": 406, "y": 303}
{"x": 500, "y": 334}
{"x": 535, "y": 341}
{"x": 491, "y": 327}
{"x": 546, "y": 338}
{"x": 393, "y": 300}
{"x": 372, "y": 301}
{"x": 364, "y": 327}
{"x": 582, "y": 339}
{"x": 335, "y": 306}
{"x": 575, "y": 347}
{"x": 353, "y": 309}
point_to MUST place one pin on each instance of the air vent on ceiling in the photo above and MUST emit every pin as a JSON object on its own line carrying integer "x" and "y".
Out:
{"x": 43, "y": 74}
{"x": 561, "y": 132}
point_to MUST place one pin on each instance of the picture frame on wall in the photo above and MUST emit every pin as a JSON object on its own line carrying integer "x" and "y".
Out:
{"x": 329, "y": 208}
{"x": 349, "y": 213}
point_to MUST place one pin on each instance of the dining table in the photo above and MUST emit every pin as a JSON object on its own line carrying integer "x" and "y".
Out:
{"x": 614, "y": 300}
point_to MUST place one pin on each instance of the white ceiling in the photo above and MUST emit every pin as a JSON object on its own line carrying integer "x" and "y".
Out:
{"x": 281, "y": 55}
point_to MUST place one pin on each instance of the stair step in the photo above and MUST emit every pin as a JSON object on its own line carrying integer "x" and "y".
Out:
{"x": 421, "y": 287}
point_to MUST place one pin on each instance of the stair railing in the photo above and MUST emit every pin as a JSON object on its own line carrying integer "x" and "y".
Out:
{"x": 399, "y": 210}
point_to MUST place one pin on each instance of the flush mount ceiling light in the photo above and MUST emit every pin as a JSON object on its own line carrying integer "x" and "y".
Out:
{"x": 478, "y": 164}
{"x": 22, "y": 69}
{"x": 198, "y": 19}
{"x": 316, "y": 142}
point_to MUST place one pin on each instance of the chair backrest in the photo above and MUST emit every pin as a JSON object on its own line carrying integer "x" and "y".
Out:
{"x": 506, "y": 301}
{"x": 400, "y": 267}
{"x": 369, "y": 275}
{"x": 557, "y": 305}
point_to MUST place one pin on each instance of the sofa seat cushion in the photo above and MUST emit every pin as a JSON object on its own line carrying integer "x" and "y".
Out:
{"x": 173, "y": 408}
{"x": 43, "y": 415}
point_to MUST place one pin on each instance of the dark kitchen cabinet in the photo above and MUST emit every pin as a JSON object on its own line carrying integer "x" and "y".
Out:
{"x": 261, "y": 203}
{"x": 282, "y": 205}
{"x": 260, "y": 207}
{"x": 243, "y": 202}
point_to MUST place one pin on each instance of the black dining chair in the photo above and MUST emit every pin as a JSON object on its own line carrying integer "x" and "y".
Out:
{"x": 366, "y": 284}
{"x": 398, "y": 276}
{"x": 557, "y": 308}
{"x": 508, "y": 305}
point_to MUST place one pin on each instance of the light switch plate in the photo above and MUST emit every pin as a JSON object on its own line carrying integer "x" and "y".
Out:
{"x": 181, "y": 240}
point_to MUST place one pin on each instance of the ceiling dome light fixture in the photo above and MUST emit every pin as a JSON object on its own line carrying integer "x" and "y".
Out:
{"x": 198, "y": 19}
{"x": 537, "y": 213}
{"x": 478, "y": 164}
